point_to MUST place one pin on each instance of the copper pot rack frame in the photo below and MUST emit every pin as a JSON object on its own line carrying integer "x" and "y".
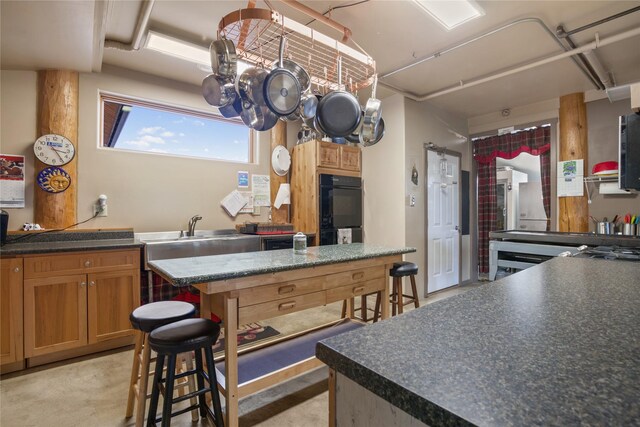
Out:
{"x": 256, "y": 34}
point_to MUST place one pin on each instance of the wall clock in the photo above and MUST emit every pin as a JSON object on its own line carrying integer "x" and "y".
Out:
{"x": 54, "y": 150}
{"x": 54, "y": 179}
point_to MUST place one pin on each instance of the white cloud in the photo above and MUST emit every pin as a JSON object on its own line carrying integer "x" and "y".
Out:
{"x": 181, "y": 134}
{"x": 157, "y": 150}
{"x": 198, "y": 123}
{"x": 145, "y": 141}
{"x": 150, "y": 130}
{"x": 206, "y": 150}
{"x": 167, "y": 134}
{"x": 235, "y": 141}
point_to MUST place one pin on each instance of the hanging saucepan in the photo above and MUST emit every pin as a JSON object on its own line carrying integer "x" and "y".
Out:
{"x": 355, "y": 137}
{"x": 308, "y": 106}
{"x": 217, "y": 91}
{"x": 338, "y": 112}
{"x": 281, "y": 88}
{"x": 270, "y": 118}
{"x": 224, "y": 61}
{"x": 251, "y": 115}
{"x": 372, "y": 115}
{"x": 251, "y": 85}
{"x": 300, "y": 73}
{"x": 232, "y": 110}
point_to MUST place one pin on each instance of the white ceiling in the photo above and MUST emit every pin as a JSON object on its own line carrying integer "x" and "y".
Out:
{"x": 69, "y": 34}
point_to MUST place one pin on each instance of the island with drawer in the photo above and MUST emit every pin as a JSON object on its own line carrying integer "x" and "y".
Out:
{"x": 556, "y": 344}
{"x": 247, "y": 287}
{"x": 65, "y": 295}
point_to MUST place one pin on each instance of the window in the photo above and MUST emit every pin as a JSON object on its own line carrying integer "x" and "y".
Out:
{"x": 142, "y": 126}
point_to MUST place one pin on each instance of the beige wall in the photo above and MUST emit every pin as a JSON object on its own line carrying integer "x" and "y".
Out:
{"x": 425, "y": 123}
{"x": 148, "y": 192}
{"x": 383, "y": 179}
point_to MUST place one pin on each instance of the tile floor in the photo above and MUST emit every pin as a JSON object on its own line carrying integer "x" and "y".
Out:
{"x": 92, "y": 390}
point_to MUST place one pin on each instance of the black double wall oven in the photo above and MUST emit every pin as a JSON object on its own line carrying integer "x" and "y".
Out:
{"x": 340, "y": 207}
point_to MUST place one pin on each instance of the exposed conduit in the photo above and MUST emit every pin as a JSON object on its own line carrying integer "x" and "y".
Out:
{"x": 482, "y": 36}
{"x": 139, "y": 33}
{"x": 463, "y": 85}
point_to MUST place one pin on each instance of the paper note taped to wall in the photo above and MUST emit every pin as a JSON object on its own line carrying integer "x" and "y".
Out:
{"x": 233, "y": 202}
{"x": 570, "y": 178}
{"x": 261, "y": 190}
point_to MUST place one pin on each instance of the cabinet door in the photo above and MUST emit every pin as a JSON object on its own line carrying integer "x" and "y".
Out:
{"x": 350, "y": 158}
{"x": 112, "y": 296}
{"x": 55, "y": 314}
{"x": 328, "y": 155}
{"x": 11, "y": 345}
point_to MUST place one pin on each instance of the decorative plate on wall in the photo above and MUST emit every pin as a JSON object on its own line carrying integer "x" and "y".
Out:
{"x": 54, "y": 179}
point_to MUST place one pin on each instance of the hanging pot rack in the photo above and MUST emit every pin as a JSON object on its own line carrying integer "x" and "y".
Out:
{"x": 256, "y": 34}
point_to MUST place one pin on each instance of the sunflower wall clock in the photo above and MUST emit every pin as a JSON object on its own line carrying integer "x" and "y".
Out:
{"x": 54, "y": 179}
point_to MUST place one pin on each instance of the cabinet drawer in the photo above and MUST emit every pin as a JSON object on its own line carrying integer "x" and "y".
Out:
{"x": 271, "y": 309}
{"x": 79, "y": 262}
{"x": 350, "y": 158}
{"x": 354, "y": 276}
{"x": 356, "y": 289}
{"x": 279, "y": 291}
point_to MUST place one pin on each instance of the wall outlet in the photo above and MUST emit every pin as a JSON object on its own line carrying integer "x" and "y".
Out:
{"x": 98, "y": 212}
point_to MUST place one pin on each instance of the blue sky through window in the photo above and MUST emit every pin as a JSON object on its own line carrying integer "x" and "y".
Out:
{"x": 158, "y": 131}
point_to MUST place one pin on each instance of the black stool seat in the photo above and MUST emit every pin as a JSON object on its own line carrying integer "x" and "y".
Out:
{"x": 153, "y": 315}
{"x": 401, "y": 269}
{"x": 184, "y": 335}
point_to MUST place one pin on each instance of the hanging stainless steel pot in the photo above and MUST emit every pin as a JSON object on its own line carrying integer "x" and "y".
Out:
{"x": 299, "y": 72}
{"x": 308, "y": 106}
{"x": 281, "y": 88}
{"x": 224, "y": 61}
{"x": 217, "y": 91}
{"x": 251, "y": 115}
{"x": 372, "y": 115}
{"x": 338, "y": 113}
{"x": 251, "y": 85}
{"x": 356, "y": 137}
{"x": 232, "y": 110}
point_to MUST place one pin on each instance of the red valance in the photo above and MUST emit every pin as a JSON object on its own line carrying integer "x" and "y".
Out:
{"x": 533, "y": 141}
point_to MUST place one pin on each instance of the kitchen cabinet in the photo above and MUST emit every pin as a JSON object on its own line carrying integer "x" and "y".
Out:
{"x": 309, "y": 160}
{"x": 11, "y": 345}
{"x": 77, "y": 299}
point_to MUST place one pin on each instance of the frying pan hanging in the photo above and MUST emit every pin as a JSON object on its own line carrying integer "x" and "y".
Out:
{"x": 281, "y": 87}
{"x": 338, "y": 112}
{"x": 372, "y": 115}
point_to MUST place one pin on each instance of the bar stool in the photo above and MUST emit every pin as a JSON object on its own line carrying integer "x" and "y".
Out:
{"x": 169, "y": 341}
{"x": 400, "y": 270}
{"x": 145, "y": 319}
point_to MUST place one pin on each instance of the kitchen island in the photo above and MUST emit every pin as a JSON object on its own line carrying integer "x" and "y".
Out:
{"x": 247, "y": 287}
{"x": 556, "y": 344}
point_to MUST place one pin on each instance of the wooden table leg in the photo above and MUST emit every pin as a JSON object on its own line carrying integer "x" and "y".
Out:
{"x": 385, "y": 301}
{"x": 231, "y": 360}
{"x": 332, "y": 397}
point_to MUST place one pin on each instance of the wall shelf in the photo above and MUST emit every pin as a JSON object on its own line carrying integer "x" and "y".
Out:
{"x": 596, "y": 180}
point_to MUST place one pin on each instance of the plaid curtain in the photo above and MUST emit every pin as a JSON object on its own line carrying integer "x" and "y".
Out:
{"x": 534, "y": 141}
{"x": 545, "y": 178}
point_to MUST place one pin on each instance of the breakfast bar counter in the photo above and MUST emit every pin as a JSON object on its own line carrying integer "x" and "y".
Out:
{"x": 556, "y": 344}
{"x": 247, "y": 287}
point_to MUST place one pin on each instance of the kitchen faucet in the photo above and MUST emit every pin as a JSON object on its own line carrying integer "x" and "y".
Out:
{"x": 192, "y": 225}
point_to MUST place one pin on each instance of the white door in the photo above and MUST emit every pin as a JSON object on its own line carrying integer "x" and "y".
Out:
{"x": 443, "y": 229}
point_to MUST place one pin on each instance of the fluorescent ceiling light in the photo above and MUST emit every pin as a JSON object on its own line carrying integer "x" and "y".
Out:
{"x": 451, "y": 13}
{"x": 184, "y": 50}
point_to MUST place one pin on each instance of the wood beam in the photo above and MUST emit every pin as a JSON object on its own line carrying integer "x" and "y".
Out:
{"x": 57, "y": 114}
{"x": 573, "y": 212}
{"x": 278, "y": 137}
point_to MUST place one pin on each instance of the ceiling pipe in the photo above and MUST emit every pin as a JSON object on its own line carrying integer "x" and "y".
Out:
{"x": 346, "y": 32}
{"x": 602, "y": 21}
{"x": 487, "y": 34}
{"x": 597, "y": 43}
{"x": 591, "y": 63}
{"x": 139, "y": 33}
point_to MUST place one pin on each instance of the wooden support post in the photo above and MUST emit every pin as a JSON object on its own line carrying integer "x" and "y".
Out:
{"x": 57, "y": 114}
{"x": 573, "y": 211}
{"x": 278, "y": 137}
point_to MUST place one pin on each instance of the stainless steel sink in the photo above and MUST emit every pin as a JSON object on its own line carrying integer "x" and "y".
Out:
{"x": 169, "y": 244}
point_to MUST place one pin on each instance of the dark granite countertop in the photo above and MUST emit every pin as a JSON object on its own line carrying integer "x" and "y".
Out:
{"x": 190, "y": 271}
{"x": 69, "y": 242}
{"x": 556, "y": 344}
{"x": 561, "y": 238}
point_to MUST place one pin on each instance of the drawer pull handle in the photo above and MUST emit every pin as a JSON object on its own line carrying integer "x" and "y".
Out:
{"x": 286, "y": 289}
{"x": 87, "y": 263}
{"x": 358, "y": 290}
{"x": 286, "y": 305}
{"x": 83, "y": 284}
{"x": 92, "y": 283}
{"x": 357, "y": 276}
{"x": 16, "y": 270}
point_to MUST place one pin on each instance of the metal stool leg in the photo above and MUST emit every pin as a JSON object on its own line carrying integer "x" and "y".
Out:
{"x": 153, "y": 405}
{"x": 168, "y": 390}
{"x": 213, "y": 386}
